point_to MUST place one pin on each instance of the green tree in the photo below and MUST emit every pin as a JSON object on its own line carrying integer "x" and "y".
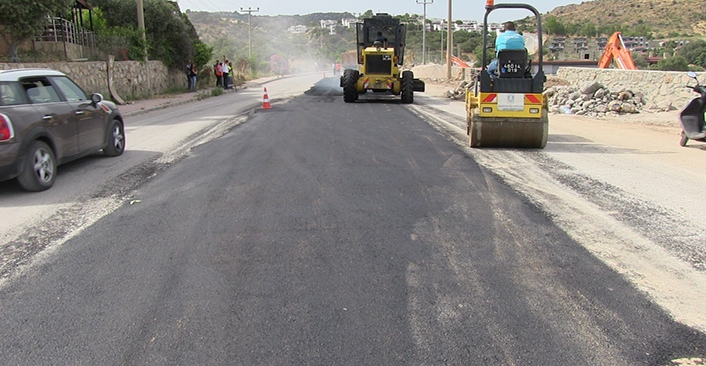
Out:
{"x": 552, "y": 25}
{"x": 489, "y": 53}
{"x": 170, "y": 35}
{"x": 588, "y": 30}
{"x": 675, "y": 63}
{"x": 694, "y": 52}
{"x": 21, "y": 20}
{"x": 467, "y": 40}
{"x": 640, "y": 61}
{"x": 203, "y": 53}
{"x": 639, "y": 30}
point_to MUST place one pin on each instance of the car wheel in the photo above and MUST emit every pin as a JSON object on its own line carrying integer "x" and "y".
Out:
{"x": 116, "y": 139}
{"x": 39, "y": 170}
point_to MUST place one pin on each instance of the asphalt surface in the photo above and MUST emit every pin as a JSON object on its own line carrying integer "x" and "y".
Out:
{"x": 320, "y": 232}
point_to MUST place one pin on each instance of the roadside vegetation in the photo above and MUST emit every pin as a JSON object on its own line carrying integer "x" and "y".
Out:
{"x": 174, "y": 36}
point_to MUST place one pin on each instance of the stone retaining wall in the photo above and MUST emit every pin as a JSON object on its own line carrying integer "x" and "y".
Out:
{"x": 662, "y": 90}
{"x": 129, "y": 77}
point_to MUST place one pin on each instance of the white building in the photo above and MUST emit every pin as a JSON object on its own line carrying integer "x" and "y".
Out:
{"x": 348, "y": 23}
{"x": 297, "y": 29}
{"x": 328, "y": 23}
{"x": 469, "y": 26}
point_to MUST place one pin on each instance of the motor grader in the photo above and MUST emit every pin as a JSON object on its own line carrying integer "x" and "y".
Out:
{"x": 508, "y": 109}
{"x": 380, "y": 51}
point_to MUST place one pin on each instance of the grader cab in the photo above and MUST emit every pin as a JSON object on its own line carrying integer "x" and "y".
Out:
{"x": 380, "y": 51}
{"x": 508, "y": 109}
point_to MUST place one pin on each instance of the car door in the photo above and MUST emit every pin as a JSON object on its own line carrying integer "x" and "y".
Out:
{"x": 90, "y": 118}
{"x": 57, "y": 115}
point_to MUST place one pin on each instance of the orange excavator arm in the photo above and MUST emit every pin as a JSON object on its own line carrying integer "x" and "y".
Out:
{"x": 615, "y": 50}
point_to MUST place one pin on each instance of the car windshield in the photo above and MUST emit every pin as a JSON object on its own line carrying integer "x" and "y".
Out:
{"x": 71, "y": 91}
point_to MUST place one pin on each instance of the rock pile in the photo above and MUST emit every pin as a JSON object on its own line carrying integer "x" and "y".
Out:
{"x": 459, "y": 91}
{"x": 593, "y": 99}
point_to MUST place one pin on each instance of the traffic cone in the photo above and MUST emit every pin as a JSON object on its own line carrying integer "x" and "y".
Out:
{"x": 266, "y": 101}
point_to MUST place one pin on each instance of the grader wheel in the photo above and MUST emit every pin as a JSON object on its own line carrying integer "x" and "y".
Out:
{"x": 350, "y": 79}
{"x": 407, "y": 87}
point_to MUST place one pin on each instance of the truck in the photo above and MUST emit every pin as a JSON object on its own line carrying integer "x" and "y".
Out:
{"x": 349, "y": 59}
{"x": 380, "y": 42}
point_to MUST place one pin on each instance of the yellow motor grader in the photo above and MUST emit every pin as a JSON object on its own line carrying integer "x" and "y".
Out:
{"x": 508, "y": 109}
{"x": 380, "y": 51}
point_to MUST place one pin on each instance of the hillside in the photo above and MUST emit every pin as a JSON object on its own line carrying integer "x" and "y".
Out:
{"x": 666, "y": 18}
{"x": 228, "y": 34}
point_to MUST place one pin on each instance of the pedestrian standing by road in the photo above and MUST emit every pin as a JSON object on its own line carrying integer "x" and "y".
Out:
{"x": 226, "y": 82}
{"x": 219, "y": 73}
{"x": 191, "y": 73}
{"x": 231, "y": 74}
{"x": 188, "y": 73}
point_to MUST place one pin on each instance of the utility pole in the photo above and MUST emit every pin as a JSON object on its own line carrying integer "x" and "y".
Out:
{"x": 449, "y": 46}
{"x": 141, "y": 28}
{"x": 424, "y": 30}
{"x": 441, "y": 45}
{"x": 249, "y": 11}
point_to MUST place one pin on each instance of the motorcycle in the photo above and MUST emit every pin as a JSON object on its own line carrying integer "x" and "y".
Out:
{"x": 692, "y": 116}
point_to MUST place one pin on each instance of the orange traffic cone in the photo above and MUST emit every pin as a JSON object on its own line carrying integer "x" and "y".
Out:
{"x": 266, "y": 101}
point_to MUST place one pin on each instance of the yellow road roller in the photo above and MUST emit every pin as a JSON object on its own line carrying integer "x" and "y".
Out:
{"x": 507, "y": 108}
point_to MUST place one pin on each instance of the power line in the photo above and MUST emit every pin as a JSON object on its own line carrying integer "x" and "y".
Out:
{"x": 199, "y": 7}
{"x": 211, "y": 7}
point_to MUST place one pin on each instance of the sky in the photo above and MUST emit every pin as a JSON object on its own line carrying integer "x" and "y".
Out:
{"x": 460, "y": 9}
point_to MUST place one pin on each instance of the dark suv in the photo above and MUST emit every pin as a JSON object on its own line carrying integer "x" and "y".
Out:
{"x": 47, "y": 120}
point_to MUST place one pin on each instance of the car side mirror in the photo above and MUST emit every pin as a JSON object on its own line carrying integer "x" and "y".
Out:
{"x": 96, "y": 98}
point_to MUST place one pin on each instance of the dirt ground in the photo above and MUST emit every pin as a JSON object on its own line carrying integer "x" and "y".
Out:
{"x": 666, "y": 122}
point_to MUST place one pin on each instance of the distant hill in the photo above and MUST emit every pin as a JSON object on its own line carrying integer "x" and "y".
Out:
{"x": 665, "y": 18}
{"x": 230, "y": 36}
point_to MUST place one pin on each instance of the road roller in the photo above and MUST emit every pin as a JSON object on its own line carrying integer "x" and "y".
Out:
{"x": 507, "y": 108}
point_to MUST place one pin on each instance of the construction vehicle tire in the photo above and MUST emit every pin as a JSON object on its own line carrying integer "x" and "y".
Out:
{"x": 350, "y": 79}
{"x": 407, "y": 87}
{"x": 509, "y": 132}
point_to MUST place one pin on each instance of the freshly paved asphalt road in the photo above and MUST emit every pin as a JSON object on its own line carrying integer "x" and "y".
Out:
{"x": 326, "y": 233}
